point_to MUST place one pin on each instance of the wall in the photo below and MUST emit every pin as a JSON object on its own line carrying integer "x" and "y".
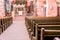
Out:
{"x": 28, "y": 2}
{"x": 51, "y": 8}
{"x": 1, "y": 9}
{"x": 40, "y": 6}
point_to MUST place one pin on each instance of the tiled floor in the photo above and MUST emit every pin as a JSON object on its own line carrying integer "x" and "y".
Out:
{"x": 17, "y": 31}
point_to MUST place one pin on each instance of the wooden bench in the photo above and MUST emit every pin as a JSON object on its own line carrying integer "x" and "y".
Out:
{"x": 34, "y": 21}
{"x": 5, "y": 22}
{"x": 49, "y": 33}
{"x": 1, "y": 28}
{"x": 52, "y": 23}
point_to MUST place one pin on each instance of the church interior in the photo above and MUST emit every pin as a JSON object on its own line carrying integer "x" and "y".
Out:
{"x": 29, "y": 19}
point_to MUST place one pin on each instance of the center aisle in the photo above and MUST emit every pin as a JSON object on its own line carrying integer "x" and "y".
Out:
{"x": 17, "y": 31}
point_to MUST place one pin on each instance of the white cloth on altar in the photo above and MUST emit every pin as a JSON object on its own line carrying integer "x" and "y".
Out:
{"x": 20, "y": 12}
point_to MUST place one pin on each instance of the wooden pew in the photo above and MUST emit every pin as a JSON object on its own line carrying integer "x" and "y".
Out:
{"x": 1, "y": 28}
{"x": 2, "y": 24}
{"x": 47, "y": 30}
{"x": 49, "y": 24}
{"x": 8, "y": 21}
{"x": 28, "y": 23}
{"x": 5, "y": 22}
{"x": 49, "y": 33}
{"x": 42, "y": 21}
